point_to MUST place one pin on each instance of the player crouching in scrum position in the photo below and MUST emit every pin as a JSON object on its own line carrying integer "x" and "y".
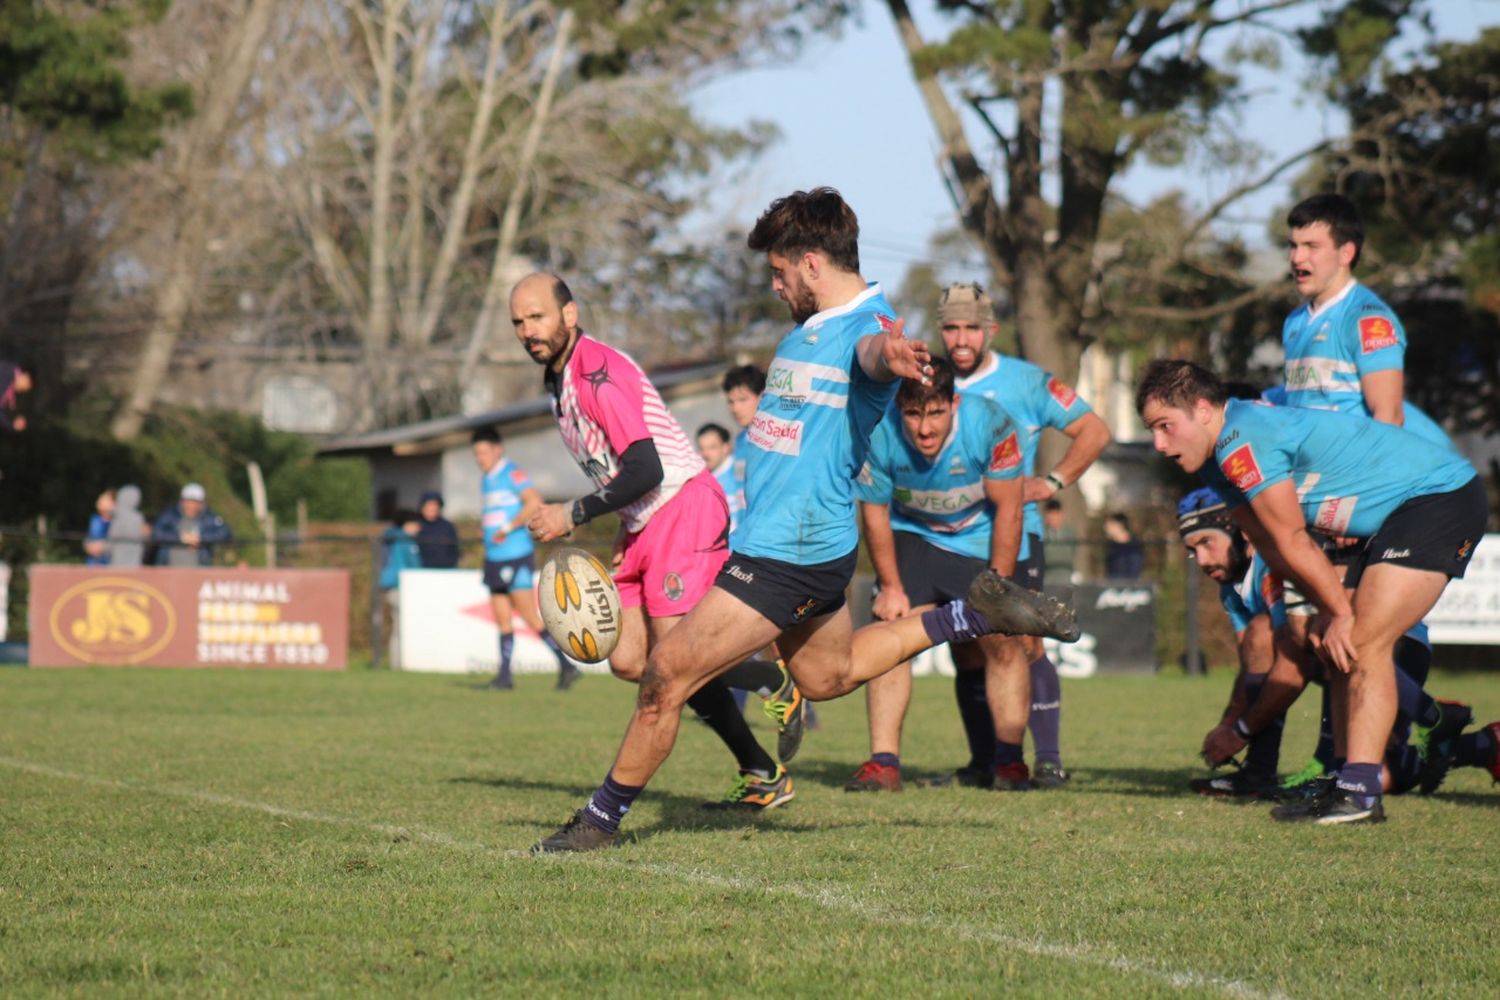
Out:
{"x": 1281, "y": 470}
{"x": 793, "y": 554}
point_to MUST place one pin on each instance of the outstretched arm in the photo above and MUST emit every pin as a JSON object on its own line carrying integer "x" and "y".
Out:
{"x": 890, "y": 354}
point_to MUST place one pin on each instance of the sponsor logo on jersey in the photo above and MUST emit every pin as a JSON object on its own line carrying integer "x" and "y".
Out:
{"x": 1334, "y": 514}
{"x": 1270, "y": 589}
{"x": 776, "y": 434}
{"x": 1241, "y": 468}
{"x": 1062, "y": 392}
{"x": 887, "y": 323}
{"x": 1007, "y": 454}
{"x": 1376, "y": 334}
{"x": 517, "y": 476}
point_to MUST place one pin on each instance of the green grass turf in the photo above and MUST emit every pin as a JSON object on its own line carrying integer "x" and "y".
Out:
{"x": 259, "y": 833}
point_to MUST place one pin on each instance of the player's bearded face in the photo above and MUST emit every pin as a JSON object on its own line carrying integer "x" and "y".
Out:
{"x": 965, "y": 340}
{"x": 928, "y": 424}
{"x": 1214, "y": 554}
{"x": 787, "y": 283}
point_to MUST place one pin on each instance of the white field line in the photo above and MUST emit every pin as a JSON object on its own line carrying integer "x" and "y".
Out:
{"x": 830, "y": 899}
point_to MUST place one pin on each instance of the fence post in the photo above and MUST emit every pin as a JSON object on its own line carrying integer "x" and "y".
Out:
{"x": 1194, "y": 665}
{"x": 377, "y": 638}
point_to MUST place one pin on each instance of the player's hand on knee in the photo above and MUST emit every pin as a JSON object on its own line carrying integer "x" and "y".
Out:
{"x": 891, "y": 603}
{"x": 1333, "y": 637}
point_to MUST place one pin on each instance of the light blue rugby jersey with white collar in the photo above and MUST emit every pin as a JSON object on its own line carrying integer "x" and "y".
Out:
{"x": 810, "y": 435}
{"x": 1350, "y": 472}
{"x": 1034, "y": 398}
{"x": 1328, "y": 351}
{"x": 942, "y": 499}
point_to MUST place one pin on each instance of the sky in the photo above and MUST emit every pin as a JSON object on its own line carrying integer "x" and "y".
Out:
{"x": 851, "y": 117}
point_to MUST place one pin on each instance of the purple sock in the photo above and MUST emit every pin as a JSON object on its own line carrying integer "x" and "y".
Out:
{"x": 887, "y": 760}
{"x": 954, "y": 622}
{"x": 1045, "y": 721}
{"x": 1361, "y": 781}
{"x": 507, "y": 647}
{"x": 609, "y": 804}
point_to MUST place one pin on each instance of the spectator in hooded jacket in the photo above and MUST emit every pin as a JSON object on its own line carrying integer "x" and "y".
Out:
{"x": 185, "y": 533}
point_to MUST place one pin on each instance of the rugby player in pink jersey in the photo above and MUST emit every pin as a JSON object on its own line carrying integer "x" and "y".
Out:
{"x": 674, "y": 519}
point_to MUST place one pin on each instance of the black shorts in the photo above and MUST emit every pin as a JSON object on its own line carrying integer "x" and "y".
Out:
{"x": 1436, "y": 532}
{"x": 504, "y": 575}
{"x": 784, "y": 592}
{"x": 931, "y": 575}
{"x": 1031, "y": 572}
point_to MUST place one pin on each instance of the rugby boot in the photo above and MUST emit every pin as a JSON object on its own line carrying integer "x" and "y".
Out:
{"x": 873, "y": 777}
{"x": 788, "y": 709}
{"x": 1297, "y": 802}
{"x": 500, "y": 684}
{"x": 567, "y": 676}
{"x": 1011, "y": 609}
{"x": 1049, "y": 774}
{"x": 1012, "y": 777}
{"x": 1494, "y": 765}
{"x": 1334, "y": 806}
{"x": 1311, "y": 770}
{"x": 1241, "y": 784}
{"x": 752, "y": 793}
{"x": 577, "y": 834}
{"x": 1435, "y": 744}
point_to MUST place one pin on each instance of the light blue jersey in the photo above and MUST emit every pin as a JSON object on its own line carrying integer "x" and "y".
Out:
{"x": 502, "y": 487}
{"x": 733, "y": 492}
{"x": 810, "y": 436}
{"x": 1259, "y": 593}
{"x": 1330, "y": 350}
{"x": 1034, "y": 398}
{"x": 1413, "y": 418}
{"x": 942, "y": 499}
{"x": 1350, "y": 472}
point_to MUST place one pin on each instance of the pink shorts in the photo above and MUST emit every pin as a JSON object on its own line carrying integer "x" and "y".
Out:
{"x": 672, "y": 562}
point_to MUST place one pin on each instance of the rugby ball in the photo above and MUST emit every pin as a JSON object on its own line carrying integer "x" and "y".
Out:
{"x": 580, "y": 605}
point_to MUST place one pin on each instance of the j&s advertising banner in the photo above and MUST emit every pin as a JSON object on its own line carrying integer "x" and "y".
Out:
{"x": 95, "y": 616}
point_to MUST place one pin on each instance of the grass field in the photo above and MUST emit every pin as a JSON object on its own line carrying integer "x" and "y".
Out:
{"x": 256, "y": 833}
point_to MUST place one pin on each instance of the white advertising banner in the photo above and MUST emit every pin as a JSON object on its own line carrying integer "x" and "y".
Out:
{"x": 447, "y": 626}
{"x": 1468, "y": 613}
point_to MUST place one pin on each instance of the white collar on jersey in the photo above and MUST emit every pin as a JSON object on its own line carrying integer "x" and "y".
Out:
{"x": 991, "y": 363}
{"x": 1312, "y": 313}
{"x": 818, "y": 319}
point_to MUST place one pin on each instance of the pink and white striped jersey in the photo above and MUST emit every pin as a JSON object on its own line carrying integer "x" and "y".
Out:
{"x": 605, "y": 404}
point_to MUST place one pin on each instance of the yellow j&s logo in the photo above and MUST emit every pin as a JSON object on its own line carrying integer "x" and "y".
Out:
{"x": 113, "y": 620}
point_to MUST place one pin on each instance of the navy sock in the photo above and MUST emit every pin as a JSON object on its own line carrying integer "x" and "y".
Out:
{"x": 764, "y": 677}
{"x": 715, "y": 706}
{"x": 609, "y": 804}
{"x": 1264, "y": 753}
{"x": 1474, "y": 749}
{"x": 557, "y": 653}
{"x": 954, "y": 622}
{"x": 1405, "y": 765}
{"x": 1413, "y": 703}
{"x": 1362, "y": 781}
{"x": 974, "y": 711}
{"x": 1324, "y": 752}
{"x": 507, "y": 647}
{"x": 1007, "y": 753}
{"x": 741, "y": 696}
{"x": 1045, "y": 721}
{"x": 887, "y": 760}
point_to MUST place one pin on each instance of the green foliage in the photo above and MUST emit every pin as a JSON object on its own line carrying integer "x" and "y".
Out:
{"x": 262, "y": 833}
{"x": 61, "y": 74}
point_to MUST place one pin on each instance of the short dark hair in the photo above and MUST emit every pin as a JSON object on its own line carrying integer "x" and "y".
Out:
{"x": 1178, "y": 384}
{"x": 803, "y": 221}
{"x": 404, "y": 516}
{"x": 490, "y": 435}
{"x": 717, "y": 430}
{"x": 1119, "y": 518}
{"x": 745, "y": 377}
{"x": 1337, "y": 212}
{"x": 940, "y": 385}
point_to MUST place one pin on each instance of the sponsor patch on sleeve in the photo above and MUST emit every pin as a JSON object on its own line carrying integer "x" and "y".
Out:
{"x": 1376, "y": 333}
{"x": 1241, "y": 468}
{"x": 1007, "y": 454}
{"x": 517, "y": 476}
{"x": 1271, "y": 589}
{"x": 1062, "y": 392}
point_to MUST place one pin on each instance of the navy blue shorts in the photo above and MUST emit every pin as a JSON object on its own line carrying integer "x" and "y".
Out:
{"x": 504, "y": 575}
{"x": 786, "y": 593}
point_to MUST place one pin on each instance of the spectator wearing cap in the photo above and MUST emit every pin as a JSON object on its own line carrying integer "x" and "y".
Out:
{"x": 437, "y": 538}
{"x": 185, "y": 533}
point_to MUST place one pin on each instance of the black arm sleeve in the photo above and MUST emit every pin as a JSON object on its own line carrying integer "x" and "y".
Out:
{"x": 640, "y": 473}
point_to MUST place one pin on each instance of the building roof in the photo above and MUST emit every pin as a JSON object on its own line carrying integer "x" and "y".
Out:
{"x": 438, "y": 433}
